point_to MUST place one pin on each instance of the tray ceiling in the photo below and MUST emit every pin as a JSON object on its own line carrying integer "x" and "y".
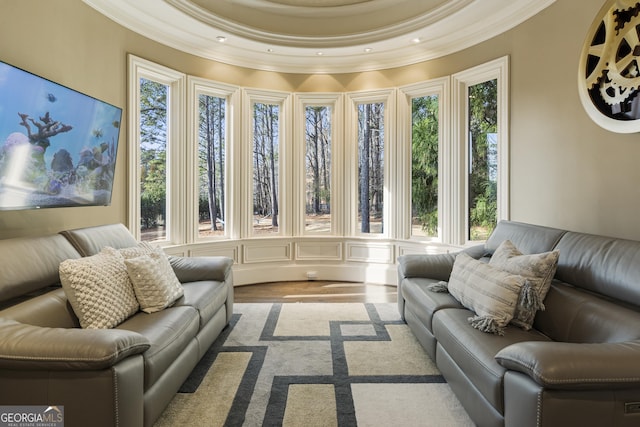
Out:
{"x": 319, "y": 36}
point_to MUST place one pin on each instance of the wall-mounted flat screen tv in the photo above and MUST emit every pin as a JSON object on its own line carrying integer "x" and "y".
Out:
{"x": 57, "y": 146}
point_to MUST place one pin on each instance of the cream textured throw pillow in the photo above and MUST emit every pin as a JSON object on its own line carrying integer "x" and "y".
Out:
{"x": 538, "y": 268}
{"x": 98, "y": 289}
{"x": 491, "y": 293}
{"x": 155, "y": 284}
{"x": 142, "y": 248}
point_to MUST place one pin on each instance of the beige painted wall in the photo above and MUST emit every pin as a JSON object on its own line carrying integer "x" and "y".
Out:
{"x": 565, "y": 170}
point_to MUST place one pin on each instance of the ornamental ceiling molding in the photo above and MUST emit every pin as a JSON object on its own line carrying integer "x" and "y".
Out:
{"x": 327, "y": 40}
{"x": 446, "y": 27}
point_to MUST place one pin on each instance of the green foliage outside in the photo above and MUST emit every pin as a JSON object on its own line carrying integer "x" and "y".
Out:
{"x": 153, "y": 197}
{"x": 424, "y": 163}
{"x": 153, "y": 153}
{"x": 483, "y": 123}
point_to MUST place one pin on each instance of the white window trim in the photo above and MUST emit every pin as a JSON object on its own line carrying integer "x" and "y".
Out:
{"x": 301, "y": 102}
{"x": 182, "y": 154}
{"x": 353, "y": 99}
{"x": 498, "y": 69}
{"x": 442, "y": 88}
{"x": 285, "y": 190}
{"x": 196, "y": 87}
{"x": 141, "y": 68}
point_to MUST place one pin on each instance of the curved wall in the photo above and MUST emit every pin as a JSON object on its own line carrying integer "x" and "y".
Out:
{"x": 566, "y": 172}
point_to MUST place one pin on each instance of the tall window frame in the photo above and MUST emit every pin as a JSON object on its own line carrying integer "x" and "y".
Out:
{"x": 353, "y": 101}
{"x": 251, "y": 97}
{"x": 334, "y": 102}
{"x": 231, "y": 95}
{"x": 140, "y": 68}
{"x": 497, "y": 69}
{"x": 440, "y": 87}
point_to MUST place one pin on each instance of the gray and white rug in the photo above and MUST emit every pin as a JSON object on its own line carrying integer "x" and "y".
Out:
{"x": 324, "y": 364}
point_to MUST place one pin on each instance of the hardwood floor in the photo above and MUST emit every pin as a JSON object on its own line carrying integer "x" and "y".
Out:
{"x": 315, "y": 291}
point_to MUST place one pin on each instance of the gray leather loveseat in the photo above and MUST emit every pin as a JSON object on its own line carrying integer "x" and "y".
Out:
{"x": 579, "y": 365}
{"x": 122, "y": 376}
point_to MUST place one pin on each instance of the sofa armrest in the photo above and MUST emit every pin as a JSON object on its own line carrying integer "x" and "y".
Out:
{"x": 573, "y": 366}
{"x": 193, "y": 269}
{"x": 433, "y": 266}
{"x": 28, "y": 347}
{"x": 436, "y": 266}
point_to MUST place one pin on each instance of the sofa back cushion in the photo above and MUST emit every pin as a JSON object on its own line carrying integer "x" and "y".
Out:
{"x": 31, "y": 263}
{"x": 604, "y": 265}
{"x": 528, "y": 238}
{"x": 90, "y": 240}
{"x": 578, "y": 316}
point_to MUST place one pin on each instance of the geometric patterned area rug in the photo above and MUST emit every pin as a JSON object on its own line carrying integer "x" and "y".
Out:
{"x": 315, "y": 364}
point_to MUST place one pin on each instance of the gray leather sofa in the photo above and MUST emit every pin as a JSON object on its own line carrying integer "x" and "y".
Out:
{"x": 123, "y": 376}
{"x": 580, "y": 363}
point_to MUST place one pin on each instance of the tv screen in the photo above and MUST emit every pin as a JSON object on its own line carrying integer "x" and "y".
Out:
{"x": 57, "y": 146}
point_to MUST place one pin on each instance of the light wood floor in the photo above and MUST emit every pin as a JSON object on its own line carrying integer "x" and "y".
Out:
{"x": 315, "y": 291}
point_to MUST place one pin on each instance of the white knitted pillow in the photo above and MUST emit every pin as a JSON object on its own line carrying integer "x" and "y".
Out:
{"x": 142, "y": 248}
{"x": 98, "y": 289}
{"x": 155, "y": 284}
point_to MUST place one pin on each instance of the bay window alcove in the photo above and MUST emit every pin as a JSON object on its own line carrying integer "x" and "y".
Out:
{"x": 329, "y": 186}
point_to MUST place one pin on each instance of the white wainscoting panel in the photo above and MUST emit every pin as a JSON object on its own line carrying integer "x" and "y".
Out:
{"x": 318, "y": 251}
{"x": 370, "y": 252}
{"x": 228, "y": 251}
{"x": 272, "y": 251}
{"x": 175, "y": 251}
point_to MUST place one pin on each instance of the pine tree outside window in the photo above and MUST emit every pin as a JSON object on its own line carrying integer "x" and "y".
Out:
{"x": 318, "y": 177}
{"x": 371, "y": 168}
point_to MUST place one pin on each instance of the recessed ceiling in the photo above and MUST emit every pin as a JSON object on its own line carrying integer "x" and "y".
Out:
{"x": 319, "y": 36}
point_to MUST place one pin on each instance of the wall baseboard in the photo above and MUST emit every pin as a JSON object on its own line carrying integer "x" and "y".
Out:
{"x": 383, "y": 274}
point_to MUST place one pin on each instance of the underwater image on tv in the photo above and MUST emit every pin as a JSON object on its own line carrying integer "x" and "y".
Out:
{"x": 57, "y": 146}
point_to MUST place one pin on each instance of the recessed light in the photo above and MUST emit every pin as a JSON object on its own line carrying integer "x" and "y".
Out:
{"x": 416, "y": 40}
{"x": 367, "y": 50}
{"x": 319, "y": 53}
{"x": 221, "y": 39}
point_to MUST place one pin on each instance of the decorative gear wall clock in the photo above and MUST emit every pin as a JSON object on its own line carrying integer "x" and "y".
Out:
{"x": 609, "y": 71}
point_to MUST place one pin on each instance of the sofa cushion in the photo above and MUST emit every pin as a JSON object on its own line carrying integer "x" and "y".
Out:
{"x": 538, "y": 268}
{"x": 90, "y": 240}
{"x": 31, "y": 263}
{"x": 605, "y": 265}
{"x": 529, "y": 238}
{"x": 423, "y": 302}
{"x": 577, "y": 316}
{"x": 474, "y": 351}
{"x": 489, "y": 292}
{"x": 206, "y": 296}
{"x": 99, "y": 289}
{"x": 169, "y": 332}
{"x": 154, "y": 282}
